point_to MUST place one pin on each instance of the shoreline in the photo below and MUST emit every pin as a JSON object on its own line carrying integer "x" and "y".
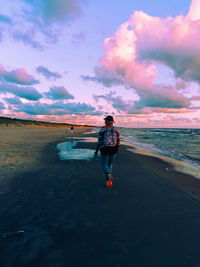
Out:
{"x": 179, "y": 165}
{"x": 167, "y": 168}
{"x": 186, "y": 182}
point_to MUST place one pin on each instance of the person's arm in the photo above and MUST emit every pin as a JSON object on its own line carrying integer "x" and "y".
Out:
{"x": 99, "y": 142}
{"x": 118, "y": 139}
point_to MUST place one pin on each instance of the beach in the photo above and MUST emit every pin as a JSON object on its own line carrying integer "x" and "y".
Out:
{"x": 21, "y": 146}
{"x": 150, "y": 217}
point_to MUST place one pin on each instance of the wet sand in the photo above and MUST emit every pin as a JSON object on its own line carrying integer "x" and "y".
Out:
{"x": 71, "y": 219}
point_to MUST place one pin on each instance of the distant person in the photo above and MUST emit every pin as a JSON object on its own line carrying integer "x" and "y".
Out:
{"x": 108, "y": 144}
{"x": 71, "y": 130}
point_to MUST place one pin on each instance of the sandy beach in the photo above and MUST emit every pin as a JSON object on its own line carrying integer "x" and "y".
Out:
{"x": 150, "y": 217}
{"x": 21, "y": 147}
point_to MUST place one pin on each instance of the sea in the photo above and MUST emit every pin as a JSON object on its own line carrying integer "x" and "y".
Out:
{"x": 180, "y": 147}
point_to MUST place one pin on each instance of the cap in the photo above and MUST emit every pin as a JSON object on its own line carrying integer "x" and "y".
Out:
{"x": 109, "y": 118}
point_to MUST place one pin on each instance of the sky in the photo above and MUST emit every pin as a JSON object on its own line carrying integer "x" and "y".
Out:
{"x": 77, "y": 61}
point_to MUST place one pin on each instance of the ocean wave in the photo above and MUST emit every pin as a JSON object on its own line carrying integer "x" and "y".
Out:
{"x": 163, "y": 145}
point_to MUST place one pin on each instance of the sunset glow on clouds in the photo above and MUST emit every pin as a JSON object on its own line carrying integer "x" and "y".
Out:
{"x": 59, "y": 64}
{"x": 134, "y": 50}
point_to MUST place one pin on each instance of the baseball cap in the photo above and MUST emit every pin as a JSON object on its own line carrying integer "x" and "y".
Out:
{"x": 109, "y": 118}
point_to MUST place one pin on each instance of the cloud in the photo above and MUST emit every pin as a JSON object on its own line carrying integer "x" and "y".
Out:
{"x": 48, "y": 74}
{"x": 19, "y": 76}
{"x": 171, "y": 110}
{"x": 56, "y": 10}
{"x": 197, "y": 120}
{"x": 78, "y": 38}
{"x": 168, "y": 97}
{"x": 121, "y": 59}
{"x": 26, "y": 92}
{"x": 119, "y": 103}
{"x": 28, "y": 38}
{"x": 2, "y": 106}
{"x": 5, "y": 19}
{"x": 57, "y": 108}
{"x": 175, "y": 42}
{"x": 104, "y": 77}
{"x": 194, "y": 13}
{"x": 39, "y": 23}
{"x": 133, "y": 53}
{"x": 195, "y": 98}
{"x": 74, "y": 107}
{"x": 163, "y": 96}
{"x": 13, "y": 100}
{"x": 59, "y": 92}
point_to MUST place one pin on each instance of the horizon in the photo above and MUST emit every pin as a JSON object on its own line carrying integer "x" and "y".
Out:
{"x": 71, "y": 62}
{"x": 35, "y": 120}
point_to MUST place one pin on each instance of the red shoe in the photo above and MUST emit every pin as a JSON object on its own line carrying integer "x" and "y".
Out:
{"x": 107, "y": 183}
{"x": 110, "y": 183}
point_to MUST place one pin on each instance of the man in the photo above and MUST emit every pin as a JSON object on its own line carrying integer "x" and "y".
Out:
{"x": 108, "y": 144}
{"x": 70, "y": 130}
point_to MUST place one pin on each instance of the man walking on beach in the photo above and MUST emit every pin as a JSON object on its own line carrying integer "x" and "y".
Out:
{"x": 71, "y": 130}
{"x": 108, "y": 144}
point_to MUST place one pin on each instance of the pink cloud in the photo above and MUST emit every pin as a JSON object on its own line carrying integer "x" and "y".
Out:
{"x": 172, "y": 110}
{"x": 144, "y": 40}
{"x": 18, "y": 76}
{"x": 130, "y": 120}
{"x": 174, "y": 42}
{"x": 194, "y": 13}
{"x": 133, "y": 52}
{"x": 121, "y": 57}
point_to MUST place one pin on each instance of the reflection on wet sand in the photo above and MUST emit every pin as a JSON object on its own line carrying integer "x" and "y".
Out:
{"x": 68, "y": 151}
